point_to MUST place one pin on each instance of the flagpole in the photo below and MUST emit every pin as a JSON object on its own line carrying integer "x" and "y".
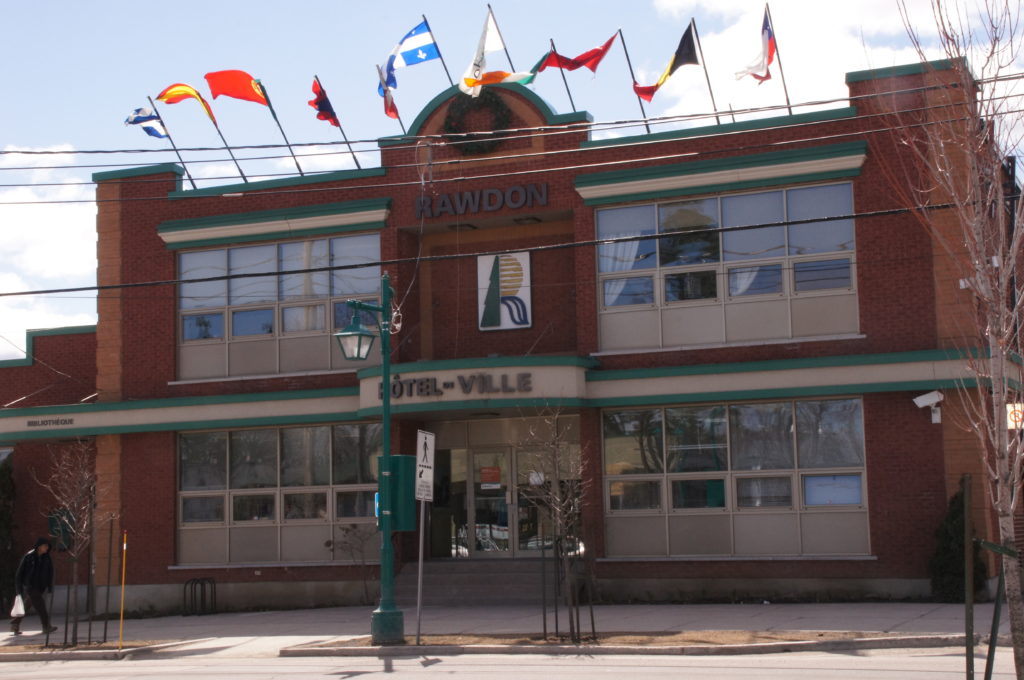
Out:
{"x": 228, "y": 149}
{"x": 270, "y": 105}
{"x": 564, "y": 79}
{"x": 696, "y": 34}
{"x": 778, "y": 56}
{"x": 503, "y": 45}
{"x": 440, "y": 56}
{"x": 632, "y": 75}
{"x": 173, "y": 146}
{"x": 341, "y": 129}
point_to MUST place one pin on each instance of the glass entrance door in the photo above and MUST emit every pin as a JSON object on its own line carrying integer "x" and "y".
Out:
{"x": 491, "y": 529}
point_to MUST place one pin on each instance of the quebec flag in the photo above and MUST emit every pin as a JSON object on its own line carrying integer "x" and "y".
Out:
{"x": 416, "y": 47}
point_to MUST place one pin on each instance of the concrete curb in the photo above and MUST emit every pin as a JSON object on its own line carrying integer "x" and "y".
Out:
{"x": 91, "y": 654}
{"x": 901, "y": 642}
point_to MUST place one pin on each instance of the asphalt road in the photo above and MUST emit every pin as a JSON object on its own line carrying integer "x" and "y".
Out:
{"x": 212, "y": 664}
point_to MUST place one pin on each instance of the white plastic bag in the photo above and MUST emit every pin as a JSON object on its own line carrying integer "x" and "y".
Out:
{"x": 19, "y": 607}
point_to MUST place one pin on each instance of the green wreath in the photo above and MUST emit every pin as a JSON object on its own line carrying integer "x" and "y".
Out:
{"x": 476, "y": 142}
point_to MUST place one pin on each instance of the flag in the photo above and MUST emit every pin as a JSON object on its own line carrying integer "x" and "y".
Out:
{"x": 686, "y": 53}
{"x": 324, "y": 110}
{"x": 237, "y": 84}
{"x": 590, "y": 59}
{"x": 177, "y": 92}
{"x": 389, "y": 102}
{"x": 149, "y": 121}
{"x": 416, "y": 47}
{"x": 759, "y": 67}
{"x": 490, "y": 41}
{"x": 495, "y": 77}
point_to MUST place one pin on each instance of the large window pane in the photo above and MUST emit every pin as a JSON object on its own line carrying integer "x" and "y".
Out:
{"x": 691, "y": 286}
{"x": 362, "y": 249}
{"x": 253, "y": 459}
{"x": 761, "y": 436}
{"x": 634, "y": 495}
{"x": 354, "y": 504}
{"x": 749, "y": 209}
{"x": 632, "y": 442}
{"x": 698, "y": 493}
{"x": 302, "y": 318}
{"x": 832, "y": 490}
{"x": 202, "y": 509}
{"x": 632, "y": 291}
{"x": 255, "y": 508}
{"x": 252, "y": 322}
{"x": 304, "y": 255}
{"x": 816, "y": 202}
{"x": 343, "y": 315}
{"x": 253, "y": 260}
{"x": 821, "y": 275}
{"x": 694, "y": 240}
{"x": 203, "y": 461}
{"x": 764, "y": 492}
{"x": 202, "y": 326}
{"x": 830, "y": 433}
{"x": 305, "y": 456}
{"x": 305, "y": 506}
{"x": 760, "y": 280}
{"x": 695, "y": 439}
{"x": 629, "y": 255}
{"x": 356, "y": 448}
{"x": 200, "y": 265}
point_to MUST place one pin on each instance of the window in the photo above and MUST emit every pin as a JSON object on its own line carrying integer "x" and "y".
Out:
{"x": 795, "y": 459}
{"x": 710, "y": 252}
{"x": 278, "y": 478}
{"x": 265, "y": 306}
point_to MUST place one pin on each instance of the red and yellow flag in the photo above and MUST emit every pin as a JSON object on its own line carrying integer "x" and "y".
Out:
{"x": 177, "y": 92}
{"x": 237, "y": 84}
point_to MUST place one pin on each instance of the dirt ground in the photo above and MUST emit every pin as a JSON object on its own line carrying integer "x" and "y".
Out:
{"x": 703, "y": 637}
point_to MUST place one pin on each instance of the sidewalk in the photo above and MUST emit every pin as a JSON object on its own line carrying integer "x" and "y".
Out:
{"x": 262, "y": 634}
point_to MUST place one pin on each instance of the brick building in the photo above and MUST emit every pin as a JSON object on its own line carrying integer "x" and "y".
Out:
{"x": 731, "y": 371}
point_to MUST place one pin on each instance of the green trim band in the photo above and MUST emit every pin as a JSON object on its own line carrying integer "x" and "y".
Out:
{"x": 725, "y": 128}
{"x": 901, "y": 70}
{"x": 174, "y": 402}
{"x": 30, "y": 337}
{"x": 779, "y": 365}
{"x": 482, "y": 362}
{"x": 477, "y": 404}
{"x": 320, "y": 178}
{"x": 719, "y": 164}
{"x": 140, "y": 171}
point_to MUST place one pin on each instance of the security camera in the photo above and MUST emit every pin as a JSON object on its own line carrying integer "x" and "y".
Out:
{"x": 928, "y": 399}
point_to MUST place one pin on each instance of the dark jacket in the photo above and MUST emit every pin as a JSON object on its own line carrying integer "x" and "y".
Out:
{"x": 35, "y": 570}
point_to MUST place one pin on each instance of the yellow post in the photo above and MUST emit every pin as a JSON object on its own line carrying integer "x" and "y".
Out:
{"x": 124, "y": 570}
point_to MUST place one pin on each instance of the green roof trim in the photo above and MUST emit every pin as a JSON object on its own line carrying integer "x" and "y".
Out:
{"x": 779, "y": 365}
{"x": 30, "y": 337}
{"x": 169, "y": 402}
{"x": 901, "y": 70}
{"x": 232, "y": 219}
{"x": 725, "y": 128}
{"x": 246, "y": 187}
{"x": 718, "y": 164}
{"x": 480, "y": 362}
{"x": 140, "y": 171}
{"x": 550, "y": 117}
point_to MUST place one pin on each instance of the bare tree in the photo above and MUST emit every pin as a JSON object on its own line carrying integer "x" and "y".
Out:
{"x": 964, "y": 144}
{"x": 551, "y": 462}
{"x": 72, "y": 484}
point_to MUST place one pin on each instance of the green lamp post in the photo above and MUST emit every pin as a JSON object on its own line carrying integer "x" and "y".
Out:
{"x": 386, "y": 623}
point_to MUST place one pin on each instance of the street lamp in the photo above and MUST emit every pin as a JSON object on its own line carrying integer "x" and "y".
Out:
{"x": 386, "y": 622}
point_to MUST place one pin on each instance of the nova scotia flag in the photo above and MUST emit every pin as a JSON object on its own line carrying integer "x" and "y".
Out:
{"x": 416, "y": 47}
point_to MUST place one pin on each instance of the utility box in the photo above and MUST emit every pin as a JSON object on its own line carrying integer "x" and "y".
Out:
{"x": 403, "y": 491}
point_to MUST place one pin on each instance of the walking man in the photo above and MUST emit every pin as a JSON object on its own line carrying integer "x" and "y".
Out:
{"x": 34, "y": 578}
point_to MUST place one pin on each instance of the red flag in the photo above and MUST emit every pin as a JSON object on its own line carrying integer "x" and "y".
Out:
{"x": 324, "y": 110}
{"x": 645, "y": 92}
{"x": 389, "y": 102}
{"x": 237, "y": 84}
{"x": 590, "y": 59}
{"x": 177, "y": 92}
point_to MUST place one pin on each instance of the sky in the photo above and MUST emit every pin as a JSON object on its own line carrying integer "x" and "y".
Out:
{"x": 73, "y": 71}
